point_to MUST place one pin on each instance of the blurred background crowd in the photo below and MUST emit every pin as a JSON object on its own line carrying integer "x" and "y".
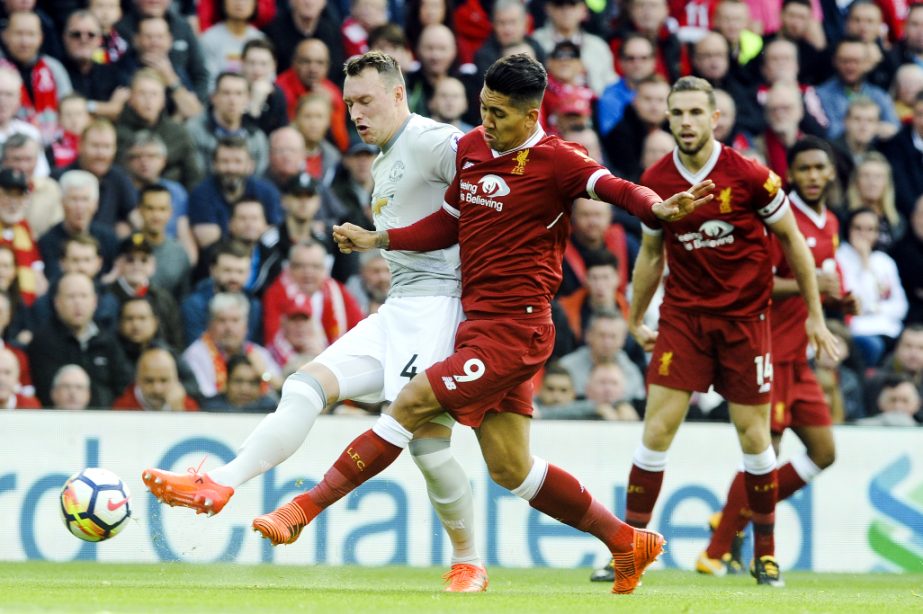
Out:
{"x": 171, "y": 171}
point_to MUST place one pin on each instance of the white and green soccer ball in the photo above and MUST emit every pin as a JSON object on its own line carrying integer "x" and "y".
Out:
{"x": 95, "y": 504}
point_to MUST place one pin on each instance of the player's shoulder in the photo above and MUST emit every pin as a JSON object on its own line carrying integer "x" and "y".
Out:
{"x": 426, "y": 132}
{"x": 733, "y": 162}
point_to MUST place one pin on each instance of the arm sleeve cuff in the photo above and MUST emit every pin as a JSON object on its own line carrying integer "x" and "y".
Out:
{"x": 635, "y": 199}
{"x": 438, "y": 230}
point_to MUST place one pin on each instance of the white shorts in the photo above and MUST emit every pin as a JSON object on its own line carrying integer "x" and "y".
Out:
{"x": 374, "y": 360}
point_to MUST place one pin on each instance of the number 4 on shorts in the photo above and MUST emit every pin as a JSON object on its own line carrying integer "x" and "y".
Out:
{"x": 410, "y": 370}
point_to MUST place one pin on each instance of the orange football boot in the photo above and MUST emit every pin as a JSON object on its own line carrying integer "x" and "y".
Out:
{"x": 629, "y": 566}
{"x": 466, "y": 578}
{"x": 282, "y": 526}
{"x": 194, "y": 490}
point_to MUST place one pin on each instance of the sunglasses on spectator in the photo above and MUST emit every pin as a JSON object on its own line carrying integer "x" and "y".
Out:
{"x": 81, "y": 34}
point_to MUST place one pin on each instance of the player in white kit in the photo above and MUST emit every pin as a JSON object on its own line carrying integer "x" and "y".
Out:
{"x": 374, "y": 360}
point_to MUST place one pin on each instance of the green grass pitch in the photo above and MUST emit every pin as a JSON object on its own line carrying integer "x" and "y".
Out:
{"x": 182, "y": 588}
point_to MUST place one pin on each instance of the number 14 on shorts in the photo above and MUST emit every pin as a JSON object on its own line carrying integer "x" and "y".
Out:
{"x": 763, "y": 372}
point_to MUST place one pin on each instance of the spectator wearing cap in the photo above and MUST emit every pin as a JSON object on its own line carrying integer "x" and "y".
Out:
{"x": 22, "y": 152}
{"x": 304, "y": 277}
{"x": 246, "y": 390}
{"x": 16, "y": 233}
{"x": 156, "y": 386}
{"x": 71, "y": 336}
{"x": 225, "y": 336}
{"x": 566, "y": 85}
{"x": 146, "y": 110}
{"x": 299, "y": 338}
{"x": 116, "y": 196}
{"x": 450, "y": 103}
{"x": 10, "y": 124}
{"x": 48, "y": 80}
{"x": 174, "y": 268}
{"x": 353, "y": 182}
{"x": 231, "y": 180}
{"x": 305, "y": 220}
{"x": 134, "y": 268}
{"x": 510, "y": 27}
{"x": 647, "y": 112}
{"x": 565, "y": 23}
{"x": 637, "y": 61}
{"x": 10, "y": 396}
{"x": 145, "y": 161}
{"x": 288, "y": 168}
{"x": 80, "y": 201}
{"x": 227, "y": 117}
{"x": 308, "y": 76}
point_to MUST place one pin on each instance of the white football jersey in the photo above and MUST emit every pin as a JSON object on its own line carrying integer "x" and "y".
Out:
{"x": 411, "y": 175}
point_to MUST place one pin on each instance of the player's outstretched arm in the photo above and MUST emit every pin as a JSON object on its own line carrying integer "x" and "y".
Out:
{"x": 802, "y": 264}
{"x": 645, "y": 279}
{"x": 682, "y": 204}
{"x": 351, "y": 238}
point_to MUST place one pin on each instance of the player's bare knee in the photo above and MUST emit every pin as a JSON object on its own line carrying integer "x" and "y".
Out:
{"x": 507, "y": 475}
{"x": 822, "y": 456}
{"x": 325, "y": 378}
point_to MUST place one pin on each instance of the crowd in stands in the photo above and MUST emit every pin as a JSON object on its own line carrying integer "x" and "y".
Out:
{"x": 171, "y": 171}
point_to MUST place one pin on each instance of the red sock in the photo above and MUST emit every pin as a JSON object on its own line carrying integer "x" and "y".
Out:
{"x": 735, "y": 510}
{"x": 643, "y": 490}
{"x": 364, "y": 458}
{"x": 789, "y": 481}
{"x": 761, "y": 497}
{"x": 565, "y": 499}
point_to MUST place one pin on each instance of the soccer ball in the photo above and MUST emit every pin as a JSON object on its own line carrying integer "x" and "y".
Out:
{"x": 95, "y": 504}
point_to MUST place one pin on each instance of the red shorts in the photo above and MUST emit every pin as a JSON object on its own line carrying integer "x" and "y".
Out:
{"x": 492, "y": 368}
{"x": 797, "y": 399}
{"x": 695, "y": 351}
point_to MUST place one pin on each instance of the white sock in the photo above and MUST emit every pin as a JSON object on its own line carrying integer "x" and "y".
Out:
{"x": 805, "y": 467}
{"x": 279, "y": 434}
{"x": 762, "y": 463}
{"x": 392, "y": 431}
{"x": 534, "y": 480}
{"x": 450, "y": 493}
{"x": 649, "y": 460}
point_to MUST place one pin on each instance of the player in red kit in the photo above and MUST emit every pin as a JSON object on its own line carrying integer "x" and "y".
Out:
{"x": 508, "y": 210}
{"x": 797, "y": 400}
{"x": 714, "y": 320}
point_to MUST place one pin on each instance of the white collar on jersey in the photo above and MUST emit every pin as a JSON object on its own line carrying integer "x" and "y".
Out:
{"x": 704, "y": 172}
{"x": 537, "y": 136}
{"x": 819, "y": 219}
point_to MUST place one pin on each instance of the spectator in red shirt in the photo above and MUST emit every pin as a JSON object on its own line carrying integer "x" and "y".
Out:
{"x": 307, "y": 75}
{"x": 9, "y": 384}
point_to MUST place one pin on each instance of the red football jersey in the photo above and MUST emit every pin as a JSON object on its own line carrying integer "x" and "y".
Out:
{"x": 719, "y": 255}
{"x": 821, "y": 232}
{"x": 514, "y": 219}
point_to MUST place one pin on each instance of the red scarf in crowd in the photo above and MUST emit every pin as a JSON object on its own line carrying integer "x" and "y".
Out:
{"x": 219, "y": 360}
{"x": 42, "y": 109}
{"x": 25, "y": 251}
